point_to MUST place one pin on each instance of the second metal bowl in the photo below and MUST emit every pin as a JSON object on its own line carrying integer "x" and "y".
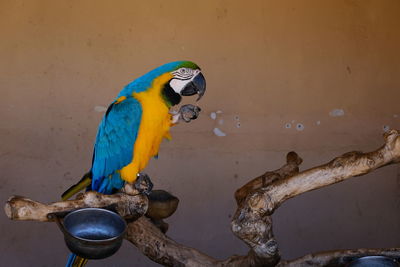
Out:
{"x": 374, "y": 261}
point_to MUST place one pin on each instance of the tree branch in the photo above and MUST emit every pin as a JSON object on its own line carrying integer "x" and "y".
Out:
{"x": 289, "y": 169}
{"x": 252, "y": 221}
{"x": 162, "y": 249}
{"x": 24, "y": 209}
{"x": 339, "y": 169}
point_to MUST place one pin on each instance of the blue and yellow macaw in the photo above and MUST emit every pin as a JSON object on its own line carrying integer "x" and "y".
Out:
{"x": 133, "y": 127}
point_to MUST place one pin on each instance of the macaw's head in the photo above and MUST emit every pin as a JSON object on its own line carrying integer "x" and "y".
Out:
{"x": 176, "y": 79}
{"x": 185, "y": 79}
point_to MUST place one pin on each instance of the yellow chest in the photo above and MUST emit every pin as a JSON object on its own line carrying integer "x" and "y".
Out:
{"x": 154, "y": 126}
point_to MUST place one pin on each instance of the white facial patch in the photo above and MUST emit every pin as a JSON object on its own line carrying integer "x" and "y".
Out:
{"x": 178, "y": 85}
{"x": 182, "y": 77}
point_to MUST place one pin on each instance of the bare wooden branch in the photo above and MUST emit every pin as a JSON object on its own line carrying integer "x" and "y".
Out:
{"x": 289, "y": 169}
{"x": 162, "y": 249}
{"x": 341, "y": 168}
{"x": 252, "y": 221}
{"x": 24, "y": 209}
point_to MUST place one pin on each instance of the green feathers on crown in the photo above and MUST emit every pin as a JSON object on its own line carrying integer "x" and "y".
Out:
{"x": 187, "y": 64}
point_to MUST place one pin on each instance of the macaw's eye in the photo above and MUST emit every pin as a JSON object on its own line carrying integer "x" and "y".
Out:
{"x": 183, "y": 73}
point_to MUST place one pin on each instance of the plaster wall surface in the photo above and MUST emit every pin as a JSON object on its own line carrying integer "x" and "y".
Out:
{"x": 318, "y": 77}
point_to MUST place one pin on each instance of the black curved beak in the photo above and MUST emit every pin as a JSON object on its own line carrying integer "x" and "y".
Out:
{"x": 196, "y": 86}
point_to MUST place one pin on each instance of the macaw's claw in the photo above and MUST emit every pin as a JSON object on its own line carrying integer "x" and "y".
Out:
{"x": 189, "y": 112}
{"x": 143, "y": 183}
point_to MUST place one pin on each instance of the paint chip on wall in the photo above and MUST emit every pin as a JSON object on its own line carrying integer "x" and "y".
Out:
{"x": 100, "y": 109}
{"x": 213, "y": 115}
{"x": 218, "y": 132}
{"x": 336, "y": 112}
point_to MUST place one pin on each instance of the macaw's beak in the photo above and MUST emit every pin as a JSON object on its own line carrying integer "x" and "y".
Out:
{"x": 196, "y": 86}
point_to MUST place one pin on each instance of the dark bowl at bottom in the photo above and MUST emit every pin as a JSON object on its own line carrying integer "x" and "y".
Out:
{"x": 374, "y": 261}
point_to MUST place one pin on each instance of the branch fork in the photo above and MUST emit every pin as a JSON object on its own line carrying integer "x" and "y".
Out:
{"x": 252, "y": 222}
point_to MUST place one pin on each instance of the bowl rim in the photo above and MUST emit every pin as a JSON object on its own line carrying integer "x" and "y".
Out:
{"x": 373, "y": 257}
{"x": 97, "y": 240}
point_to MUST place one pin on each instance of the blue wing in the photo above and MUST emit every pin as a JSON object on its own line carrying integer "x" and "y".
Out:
{"x": 114, "y": 144}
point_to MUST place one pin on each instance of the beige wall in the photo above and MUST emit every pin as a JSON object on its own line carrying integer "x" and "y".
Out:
{"x": 267, "y": 63}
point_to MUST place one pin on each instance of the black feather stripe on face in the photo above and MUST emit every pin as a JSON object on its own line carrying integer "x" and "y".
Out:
{"x": 170, "y": 96}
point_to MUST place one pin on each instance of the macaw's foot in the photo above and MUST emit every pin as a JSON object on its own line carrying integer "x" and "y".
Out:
{"x": 189, "y": 112}
{"x": 143, "y": 183}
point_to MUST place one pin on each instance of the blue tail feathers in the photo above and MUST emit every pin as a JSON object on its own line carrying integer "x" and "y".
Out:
{"x": 71, "y": 260}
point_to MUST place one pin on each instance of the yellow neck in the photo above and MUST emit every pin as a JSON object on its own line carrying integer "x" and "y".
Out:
{"x": 154, "y": 126}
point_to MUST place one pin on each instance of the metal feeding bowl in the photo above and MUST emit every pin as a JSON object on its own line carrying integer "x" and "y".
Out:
{"x": 93, "y": 233}
{"x": 374, "y": 261}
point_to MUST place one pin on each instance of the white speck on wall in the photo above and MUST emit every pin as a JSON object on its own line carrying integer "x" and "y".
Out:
{"x": 386, "y": 128}
{"x": 218, "y": 132}
{"x": 336, "y": 112}
{"x": 288, "y": 125}
{"x": 318, "y": 122}
{"x": 219, "y": 111}
{"x": 300, "y": 127}
{"x": 213, "y": 115}
{"x": 100, "y": 109}
{"x": 221, "y": 121}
